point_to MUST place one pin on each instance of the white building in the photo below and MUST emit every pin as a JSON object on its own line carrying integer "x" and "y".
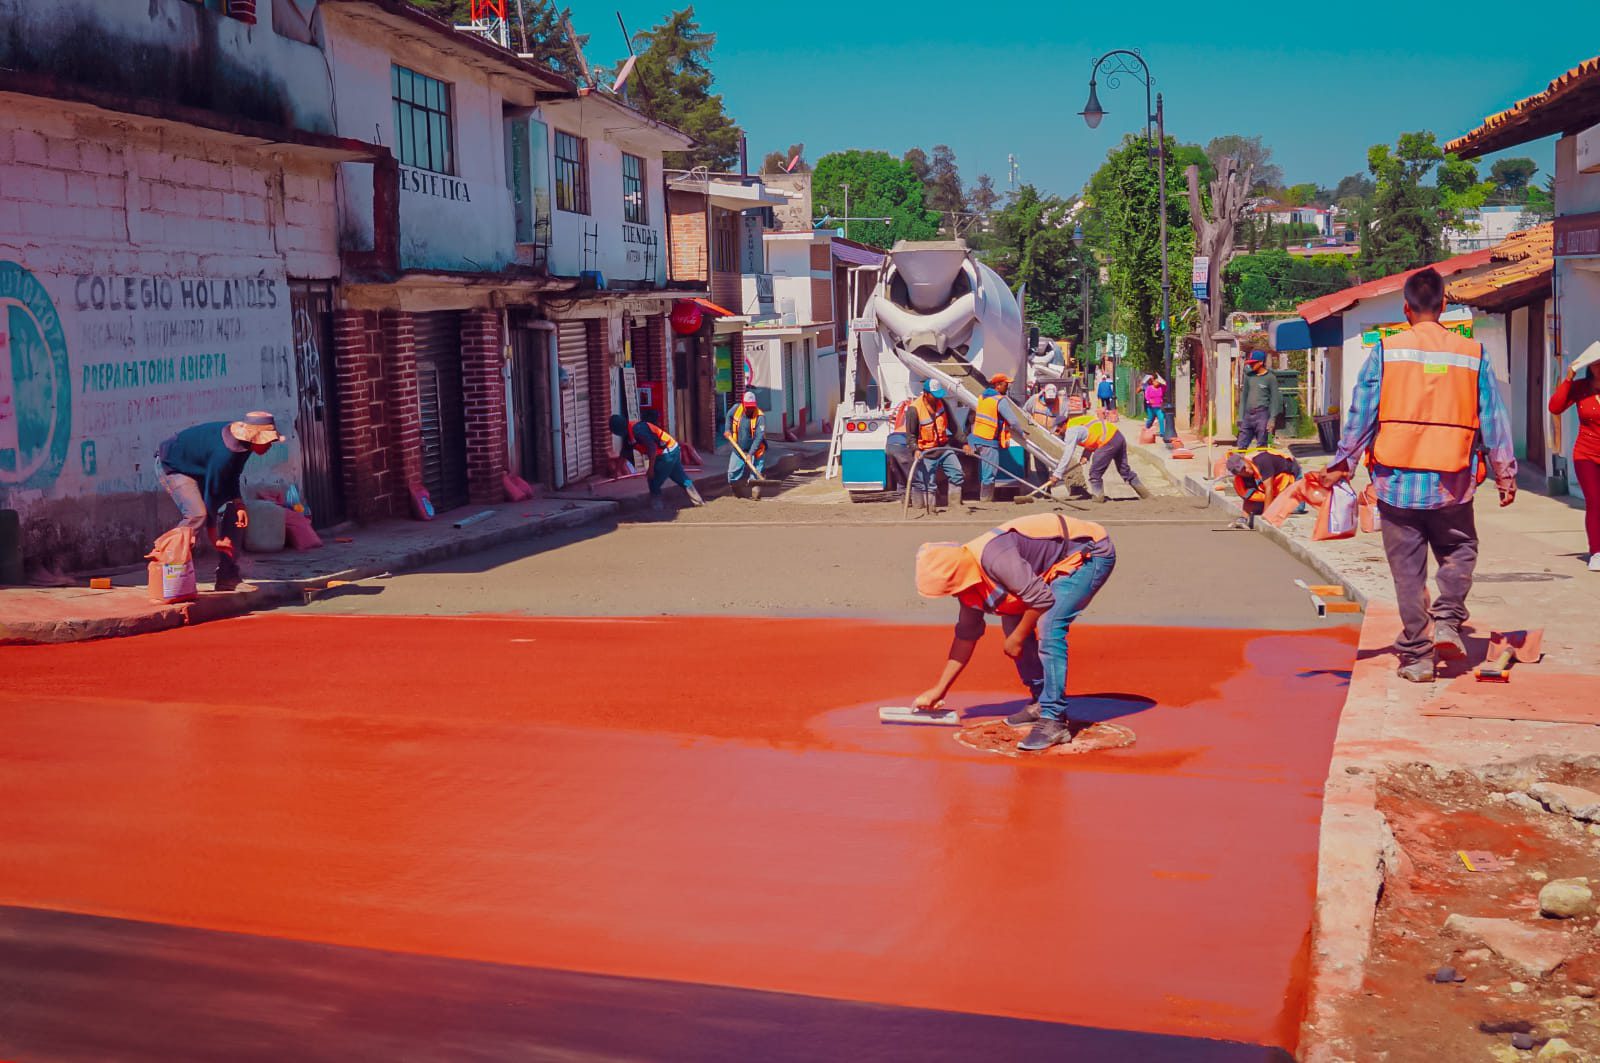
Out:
{"x": 1487, "y": 227}
{"x": 791, "y": 345}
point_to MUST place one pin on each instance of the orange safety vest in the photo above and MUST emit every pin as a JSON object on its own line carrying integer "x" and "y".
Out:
{"x": 1044, "y": 416}
{"x": 1100, "y": 431}
{"x": 665, "y": 441}
{"x": 933, "y": 427}
{"x": 1428, "y": 402}
{"x": 987, "y": 423}
{"x": 1262, "y": 489}
{"x": 738, "y": 418}
{"x": 990, "y": 596}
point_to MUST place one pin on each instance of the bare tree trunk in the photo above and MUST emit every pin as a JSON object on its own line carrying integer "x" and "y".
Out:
{"x": 1213, "y": 237}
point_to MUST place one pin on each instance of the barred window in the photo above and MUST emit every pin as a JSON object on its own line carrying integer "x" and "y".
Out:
{"x": 633, "y": 202}
{"x": 423, "y": 137}
{"x": 572, "y": 173}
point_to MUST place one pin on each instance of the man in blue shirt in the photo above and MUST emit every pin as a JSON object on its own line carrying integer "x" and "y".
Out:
{"x": 200, "y": 469}
{"x": 747, "y": 430}
{"x": 1427, "y": 408}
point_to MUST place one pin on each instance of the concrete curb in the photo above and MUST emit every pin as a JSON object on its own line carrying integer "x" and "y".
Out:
{"x": 270, "y": 594}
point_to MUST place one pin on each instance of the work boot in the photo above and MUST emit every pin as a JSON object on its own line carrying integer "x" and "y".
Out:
{"x": 986, "y": 492}
{"x": 694, "y": 494}
{"x": 1045, "y": 734}
{"x": 657, "y": 504}
{"x": 1447, "y": 644}
{"x": 1023, "y": 717}
{"x": 918, "y": 500}
{"x": 1242, "y": 524}
{"x": 755, "y": 492}
{"x": 1416, "y": 672}
{"x": 1098, "y": 496}
{"x": 1141, "y": 490}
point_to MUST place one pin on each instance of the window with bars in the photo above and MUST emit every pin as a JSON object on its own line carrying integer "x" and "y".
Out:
{"x": 572, "y": 173}
{"x": 725, "y": 241}
{"x": 423, "y": 137}
{"x": 633, "y": 201}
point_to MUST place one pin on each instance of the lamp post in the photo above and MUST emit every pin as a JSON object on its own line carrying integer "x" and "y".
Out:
{"x": 1116, "y": 63}
{"x": 1083, "y": 294}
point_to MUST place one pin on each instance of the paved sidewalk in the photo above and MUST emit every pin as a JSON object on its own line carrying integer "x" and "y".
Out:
{"x": 74, "y": 614}
{"x": 1531, "y": 573}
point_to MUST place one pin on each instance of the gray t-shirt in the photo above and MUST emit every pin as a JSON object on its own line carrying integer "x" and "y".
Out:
{"x": 1017, "y": 563}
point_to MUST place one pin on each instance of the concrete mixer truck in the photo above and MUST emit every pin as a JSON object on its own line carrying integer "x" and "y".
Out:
{"x": 937, "y": 313}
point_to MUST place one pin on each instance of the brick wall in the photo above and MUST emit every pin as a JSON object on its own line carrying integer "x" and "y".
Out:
{"x": 402, "y": 417}
{"x": 484, "y": 394}
{"x": 359, "y": 442}
{"x": 739, "y": 385}
{"x": 821, "y": 299}
{"x": 654, "y": 366}
{"x": 686, "y": 234}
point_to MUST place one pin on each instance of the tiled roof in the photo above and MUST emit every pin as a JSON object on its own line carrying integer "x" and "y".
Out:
{"x": 1529, "y": 258}
{"x": 1339, "y": 302}
{"x": 1570, "y": 104}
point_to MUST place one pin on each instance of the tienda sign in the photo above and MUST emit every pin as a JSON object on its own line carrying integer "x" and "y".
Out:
{"x": 1577, "y": 235}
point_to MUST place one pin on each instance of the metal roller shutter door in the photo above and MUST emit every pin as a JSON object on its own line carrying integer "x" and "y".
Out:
{"x": 442, "y": 409}
{"x": 572, "y": 348}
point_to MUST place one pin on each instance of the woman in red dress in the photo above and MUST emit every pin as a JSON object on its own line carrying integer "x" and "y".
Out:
{"x": 1584, "y": 393}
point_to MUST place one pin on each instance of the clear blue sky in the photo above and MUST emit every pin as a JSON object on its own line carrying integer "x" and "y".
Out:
{"x": 1319, "y": 88}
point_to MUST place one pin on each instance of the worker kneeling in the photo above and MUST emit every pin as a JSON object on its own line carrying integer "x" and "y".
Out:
{"x": 1259, "y": 476}
{"x": 1038, "y": 574}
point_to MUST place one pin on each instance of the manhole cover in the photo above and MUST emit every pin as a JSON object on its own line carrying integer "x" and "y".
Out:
{"x": 1517, "y": 577}
{"x": 1000, "y": 737}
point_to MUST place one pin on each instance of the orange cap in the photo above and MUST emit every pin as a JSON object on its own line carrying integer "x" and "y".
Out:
{"x": 998, "y": 379}
{"x": 944, "y": 569}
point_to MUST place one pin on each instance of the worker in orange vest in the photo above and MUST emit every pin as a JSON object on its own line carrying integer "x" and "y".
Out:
{"x": 992, "y": 425}
{"x": 1423, "y": 401}
{"x": 937, "y": 435}
{"x": 747, "y": 430}
{"x": 1095, "y": 436}
{"x": 663, "y": 453}
{"x": 1038, "y": 574}
{"x": 1259, "y": 476}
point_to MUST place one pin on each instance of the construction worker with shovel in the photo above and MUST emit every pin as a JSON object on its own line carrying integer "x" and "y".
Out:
{"x": 747, "y": 431}
{"x": 1038, "y": 574}
{"x": 662, "y": 452}
{"x": 996, "y": 418}
{"x": 1096, "y": 437}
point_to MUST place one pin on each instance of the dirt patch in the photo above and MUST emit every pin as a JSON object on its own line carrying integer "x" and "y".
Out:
{"x": 1000, "y": 737}
{"x": 1404, "y": 1012}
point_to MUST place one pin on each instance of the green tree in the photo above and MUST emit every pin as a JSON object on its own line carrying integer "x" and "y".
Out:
{"x": 1511, "y": 178}
{"x": 537, "y": 29}
{"x": 1123, "y": 226}
{"x": 1541, "y": 202}
{"x": 1408, "y": 218}
{"x": 1276, "y": 280}
{"x": 672, "y": 83}
{"x": 1299, "y": 195}
{"x": 917, "y": 159}
{"x": 942, "y": 190}
{"x": 1031, "y": 243}
{"x": 880, "y": 186}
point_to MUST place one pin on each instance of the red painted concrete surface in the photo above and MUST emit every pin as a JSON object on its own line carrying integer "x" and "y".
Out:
{"x": 631, "y": 797}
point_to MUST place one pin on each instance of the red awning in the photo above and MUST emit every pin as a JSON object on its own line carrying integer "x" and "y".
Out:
{"x": 712, "y": 308}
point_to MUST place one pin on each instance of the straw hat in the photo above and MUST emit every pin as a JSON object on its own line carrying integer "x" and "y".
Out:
{"x": 257, "y": 427}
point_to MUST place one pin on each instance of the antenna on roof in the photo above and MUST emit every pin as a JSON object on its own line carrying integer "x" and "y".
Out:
{"x": 488, "y": 19}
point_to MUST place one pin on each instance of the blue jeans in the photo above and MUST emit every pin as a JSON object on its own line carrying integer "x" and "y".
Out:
{"x": 1157, "y": 416}
{"x": 738, "y": 470}
{"x": 1073, "y": 594}
{"x": 988, "y": 452}
{"x": 927, "y": 478}
{"x": 669, "y": 466}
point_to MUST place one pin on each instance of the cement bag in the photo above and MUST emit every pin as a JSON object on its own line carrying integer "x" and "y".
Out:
{"x": 1337, "y": 514}
{"x": 517, "y": 489}
{"x": 265, "y": 532}
{"x": 1282, "y": 507}
{"x": 298, "y": 530}
{"x": 172, "y": 577}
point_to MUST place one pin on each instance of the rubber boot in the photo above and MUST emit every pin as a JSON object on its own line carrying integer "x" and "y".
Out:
{"x": 986, "y": 492}
{"x": 1097, "y": 495}
{"x": 918, "y": 500}
{"x": 755, "y": 492}
{"x": 1141, "y": 490}
{"x": 694, "y": 494}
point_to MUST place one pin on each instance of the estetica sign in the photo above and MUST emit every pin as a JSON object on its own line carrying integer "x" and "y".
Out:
{"x": 437, "y": 185}
{"x": 1577, "y": 235}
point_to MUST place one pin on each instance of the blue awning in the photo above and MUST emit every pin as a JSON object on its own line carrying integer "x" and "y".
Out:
{"x": 1294, "y": 334}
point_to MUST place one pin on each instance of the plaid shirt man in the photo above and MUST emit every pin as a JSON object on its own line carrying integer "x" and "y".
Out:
{"x": 1421, "y": 488}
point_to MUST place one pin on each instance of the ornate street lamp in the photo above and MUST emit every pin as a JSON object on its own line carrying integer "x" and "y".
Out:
{"x": 1116, "y": 63}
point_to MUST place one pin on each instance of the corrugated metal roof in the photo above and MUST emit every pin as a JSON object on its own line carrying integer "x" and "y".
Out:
{"x": 1339, "y": 302}
{"x": 1530, "y": 258}
{"x": 1569, "y": 104}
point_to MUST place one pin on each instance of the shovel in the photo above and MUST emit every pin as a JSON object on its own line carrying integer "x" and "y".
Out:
{"x": 1508, "y": 646}
{"x": 756, "y": 475}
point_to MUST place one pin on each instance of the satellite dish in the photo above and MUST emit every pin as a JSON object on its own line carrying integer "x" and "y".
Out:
{"x": 621, "y": 82}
